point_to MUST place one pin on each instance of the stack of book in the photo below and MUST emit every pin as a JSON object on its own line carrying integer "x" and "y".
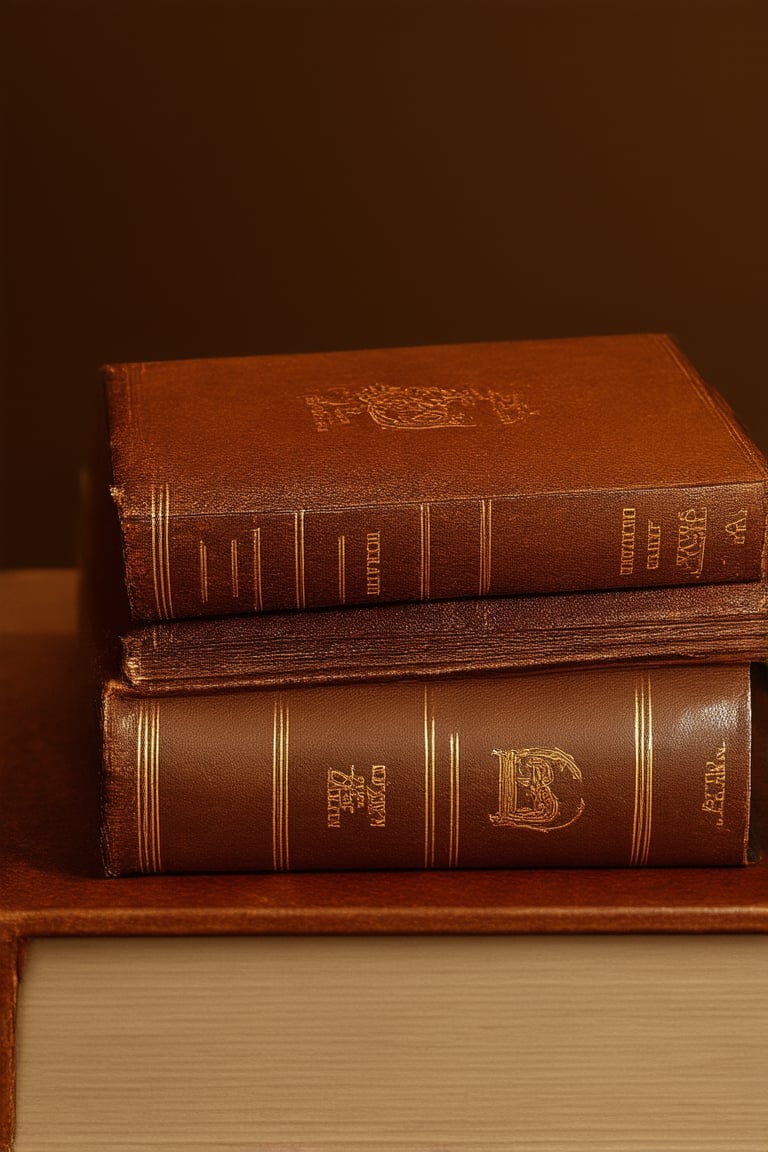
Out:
{"x": 469, "y": 606}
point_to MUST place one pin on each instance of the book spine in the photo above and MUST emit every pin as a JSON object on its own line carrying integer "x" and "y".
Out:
{"x": 191, "y": 565}
{"x": 716, "y": 623}
{"x": 620, "y": 767}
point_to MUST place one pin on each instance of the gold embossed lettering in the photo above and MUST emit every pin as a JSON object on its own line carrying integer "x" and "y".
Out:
{"x": 373, "y": 564}
{"x": 737, "y": 529}
{"x": 714, "y": 786}
{"x": 628, "y": 522}
{"x": 349, "y": 792}
{"x": 691, "y": 539}
{"x": 379, "y": 775}
{"x": 539, "y": 789}
{"x": 345, "y": 793}
{"x": 377, "y": 796}
{"x": 653, "y": 553}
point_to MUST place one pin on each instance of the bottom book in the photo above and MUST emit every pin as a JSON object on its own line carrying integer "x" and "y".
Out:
{"x": 395, "y": 1044}
{"x": 618, "y": 767}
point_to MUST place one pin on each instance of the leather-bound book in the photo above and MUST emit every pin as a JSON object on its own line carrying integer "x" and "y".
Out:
{"x": 704, "y": 623}
{"x": 414, "y": 474}
{"x": 709, "y": 623}
{"x": 612, "y": 767}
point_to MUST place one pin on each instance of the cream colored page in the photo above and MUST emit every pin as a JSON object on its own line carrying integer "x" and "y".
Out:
{"x": 429, "y": 1044}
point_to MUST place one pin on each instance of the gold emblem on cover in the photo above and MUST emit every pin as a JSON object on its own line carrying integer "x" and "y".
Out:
{"x": 538, "y": 789}
{"x": 395, "y": 406}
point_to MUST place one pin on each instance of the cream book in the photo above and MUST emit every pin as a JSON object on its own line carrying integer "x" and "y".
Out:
{"x": 395, "y": 1044}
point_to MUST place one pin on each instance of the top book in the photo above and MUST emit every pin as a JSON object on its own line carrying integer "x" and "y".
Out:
{"x": 405, "y": 474}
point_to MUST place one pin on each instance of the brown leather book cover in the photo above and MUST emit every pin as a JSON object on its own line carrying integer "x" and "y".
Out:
{"x": 711, "y": 622}
{"x": 619, "y": 767}
{"x": 415, "y": 474}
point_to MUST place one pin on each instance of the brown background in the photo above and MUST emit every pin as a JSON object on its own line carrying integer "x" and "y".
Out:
{"x": 201, "y": 179}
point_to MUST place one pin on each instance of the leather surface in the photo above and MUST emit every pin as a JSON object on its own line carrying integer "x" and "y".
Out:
{"x": 717, "y": 622}
{"x": 284, "y": 482}
{"x": 611, "y": 767}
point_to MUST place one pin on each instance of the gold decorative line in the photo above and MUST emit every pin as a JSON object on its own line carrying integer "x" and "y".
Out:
{"x": 160, "y": 551}
{"x": 145, "y": 789}
{"x": 275, "y": 786}
{"x": 432, "y": 789}
{"x": 425, "y": 542}
{"x": 450, "y": 801}
{"x": 148, "y": 811}
{"x": 286, "y": 747}
{"x": 233, "y": 563}
{"x": 486, "y": 544}
{"x": 638, "y": 771}
{"x": 485, "y": 547}
{"x": 154, "y": 548}
{"x": 426, "y": 777}
{"x": 453, "y": 844}
{"x": 155, "y": 856}
{"x": 150, "y": 786}
{"x": 167, "y": 552}
{"x": 428, "y": 556}
{"x": 203, "y": 572}
{"x": 481, "y": 585}
{"x": 481, "y": 580}
{"x": 149, "y": 816}
{"x": 161, "y": 548}
{"x": 429, "y": 781}
{"x": 301, "y": 554}
{"x": 646, "y": 845}
{"x": 280, "y": 735}
{"x": 641, "y": 823}
{"x": 342, "y": 570}
{"x": 298, "y": 545}
{"x": 140, "y": 791}
{"x": 258, "y": 599}
{"x": 428, "y": 552}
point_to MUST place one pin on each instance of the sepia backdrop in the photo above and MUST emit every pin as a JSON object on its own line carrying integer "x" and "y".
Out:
{"x": 229, "y": 177}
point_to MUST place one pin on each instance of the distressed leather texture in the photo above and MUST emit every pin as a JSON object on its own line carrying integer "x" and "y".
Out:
{"x": 413, "y": 474}
{"x": 708, "y": 623}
